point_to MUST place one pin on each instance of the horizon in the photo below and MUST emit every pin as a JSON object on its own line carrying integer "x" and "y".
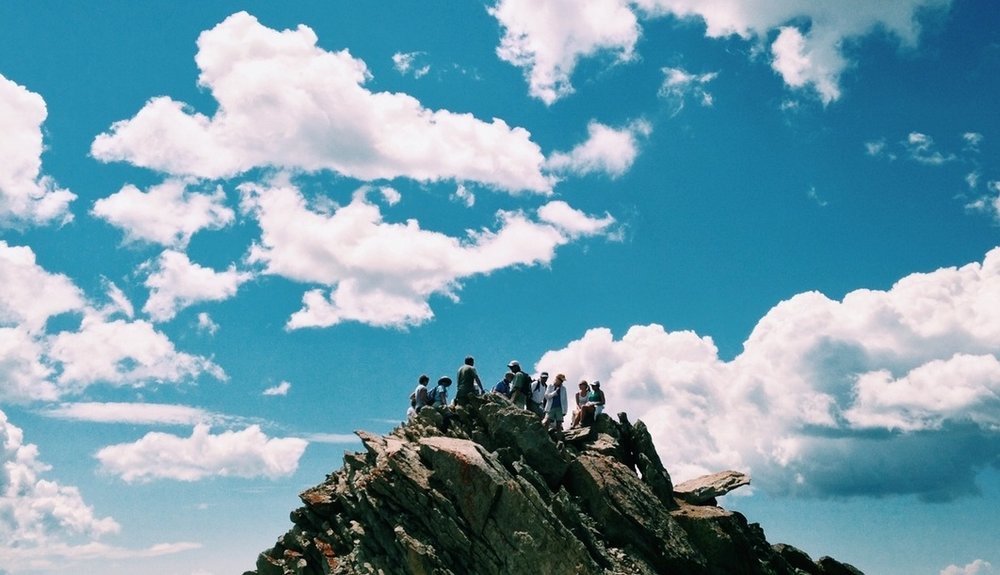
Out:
{"x": 232, "y": 234}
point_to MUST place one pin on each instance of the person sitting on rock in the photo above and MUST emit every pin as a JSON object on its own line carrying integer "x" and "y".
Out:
{"x": 538, "y": 388}
{"x": 555, "y": 404}
{"x": 438, "y": 397}
{"x": 503, "y": 386}
{"x": 581, "y": 401}
{"x": 418, "y": 399}
{"x": 594, "y": 405}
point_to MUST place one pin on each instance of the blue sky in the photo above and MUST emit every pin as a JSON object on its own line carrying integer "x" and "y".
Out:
{"x": 232, "y": 233}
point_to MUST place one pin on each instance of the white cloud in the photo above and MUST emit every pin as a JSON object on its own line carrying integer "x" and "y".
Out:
{"x": 548, "y": 38}
{"x": 29, "y": 295}
{"x": 384, "y": 273}
{"x": 285, "y": 102}
{"x": 207, "y": 324}
{"x": 608, "y": 150}
{"x": 61, "y": 556}
{"x": 168, "y": 214}
{"x": 176, "y": 283}
{"x": 26, "y": 195}
{"x": 36, "y": 513}
{"x": 406, "y": 63}
{"x": 989, "y": 203}
{"x": 334, "y": 438}
{"x": 280, "y": 389}
{"x": 977, "y": 567}
{"x": 123, "y": 353}
{"x": 972, "y": 140}
{"x": 884, "y": 380}
{"x": 24, "y": 374}
{"x": 571, "y": 221}
{"x": 921, "y": 148}
{"x": 119, "y": 301}
{"x": 679, "y": 85}
{"x": 247, "y": 453}
{"x": 464, "y": 195}
{"x": 131, "y": 413}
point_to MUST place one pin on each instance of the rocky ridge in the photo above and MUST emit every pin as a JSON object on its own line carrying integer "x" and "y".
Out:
{"x": 498, "y": 494}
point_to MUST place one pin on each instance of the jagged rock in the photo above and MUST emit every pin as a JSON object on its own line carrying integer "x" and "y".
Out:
{"x": 485, "y": 489}
{"x": 704, "y": 490}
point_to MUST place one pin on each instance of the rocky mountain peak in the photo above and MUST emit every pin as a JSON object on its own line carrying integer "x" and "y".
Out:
{"x": 486, "y": 489}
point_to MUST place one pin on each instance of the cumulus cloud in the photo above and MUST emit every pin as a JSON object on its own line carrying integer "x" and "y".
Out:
{"x": 206, "y": 324}
{"x": 608, "y": 150}
{"x": 280, "y": 389}
{"x": 977, "y": 567}
{"x": 851, "y": 397}
{"x": 29, "y": 295}
{"x": 24, "y": 373}
{"x": 122, "y": 352}
{"x": 285, "y": 102}
{"x": 383, "y": 273}
{"x": 168, "y": 214}
{"x": 26, "y": 194}
{"x": 175, "y": 283}
{"x": 548, "y": 38}
{"x": 247, "y": 453}
{"x": 679, "y": 85}
{"x": 36, "y": 513}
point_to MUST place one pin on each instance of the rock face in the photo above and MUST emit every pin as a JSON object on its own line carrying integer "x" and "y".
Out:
{"x": 705, "y": 490}
{"x": 490, "y": 491}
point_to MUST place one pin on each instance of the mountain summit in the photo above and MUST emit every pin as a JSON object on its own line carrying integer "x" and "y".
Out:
{"x": 486, "y": 489}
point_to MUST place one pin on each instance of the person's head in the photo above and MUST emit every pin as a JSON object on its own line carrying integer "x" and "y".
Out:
{"x": 514, "y": 366}
{"x": 444, "y": 380}
{"x": 424, "y": 379}
{"x": 469, "y": 360}
{"x": 508, "y": 376}
{"x": 543, "y": 376}
{"x": 584, "y": 386}
{"x": 559, "y": 379}
{"x": 597, "y": 386}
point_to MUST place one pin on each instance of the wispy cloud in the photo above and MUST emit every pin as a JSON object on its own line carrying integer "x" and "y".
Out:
{"x": 132, "y": 413}
{"x": 280, "y": 389}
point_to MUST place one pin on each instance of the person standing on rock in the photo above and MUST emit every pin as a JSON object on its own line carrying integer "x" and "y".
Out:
{"x": 503, "y": 386}
{"x": 438, "y": 397}
{"x": 468, "y": 381}
{"x": 521, "y": 386}
{"x": 555, "y": 404}
{"x": 538, "y": 388}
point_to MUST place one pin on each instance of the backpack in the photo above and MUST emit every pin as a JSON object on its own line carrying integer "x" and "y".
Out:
{"x": 432, "y": 395}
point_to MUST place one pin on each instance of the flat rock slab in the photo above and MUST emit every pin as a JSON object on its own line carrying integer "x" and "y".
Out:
{"x": 704, "y": 490}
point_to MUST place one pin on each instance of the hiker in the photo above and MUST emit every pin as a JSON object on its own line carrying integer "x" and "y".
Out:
{"x": 538, "y": 388}
{"x": 594, "y": 405}
{"x": 520, "y": 392}
{"x": 468, "y": 381}
{"x": 418, "y": 399}
{"x": 438, "y": 397}
{"x": 555, "y": 404}
{"x": 581, "y": 400}
{"x": 503, "y": 386}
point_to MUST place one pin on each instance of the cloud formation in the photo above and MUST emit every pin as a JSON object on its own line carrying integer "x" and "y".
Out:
{"x": 175, "y": 282}
{"x": 851, "y": 397}
{"x": 607, "y": 150}
{"x": 285, "y": 102}
{"x": 247, "y": 453}
{"x": 36, "y": 513}
{"x": 977, "y": 567}
{"x": 383, "y": 273}
{"x": 168, "y": 214}
{"x": 548, "y": 38}
{"x": 679, "y": 85}
{"x": 26, "y": 194}
{"x": 131, "y": 413}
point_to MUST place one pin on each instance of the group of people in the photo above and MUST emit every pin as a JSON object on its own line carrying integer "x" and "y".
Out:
{"x": 546, "y": 400}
